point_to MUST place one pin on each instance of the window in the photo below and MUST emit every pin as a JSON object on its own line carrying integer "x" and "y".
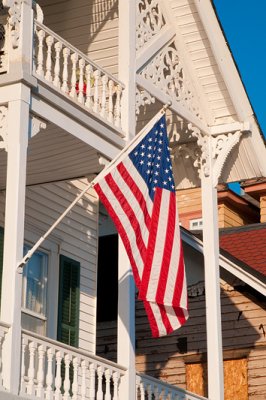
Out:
{"x": 235, "y": 379}
{"x": 35, "y": 283}
{"x": 34, "y": 293}
{"x": 195, "y": 224}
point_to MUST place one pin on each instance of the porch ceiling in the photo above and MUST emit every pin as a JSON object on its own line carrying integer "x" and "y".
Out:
{"x": 55, "y": 155}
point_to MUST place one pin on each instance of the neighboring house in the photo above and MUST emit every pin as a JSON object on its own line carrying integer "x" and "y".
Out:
{"x": 180, "y": 358}
{"x": 74, "y": 75}
{"x": 233, "y": 209}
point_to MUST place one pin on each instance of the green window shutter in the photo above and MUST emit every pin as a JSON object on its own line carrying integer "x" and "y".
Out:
{"x": 68, "y": 304}
{"x": 1, "y": 258}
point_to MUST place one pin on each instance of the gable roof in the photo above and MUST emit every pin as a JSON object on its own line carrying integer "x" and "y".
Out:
{"x": 249, "y": 274}
{"x": 247, "y": 244}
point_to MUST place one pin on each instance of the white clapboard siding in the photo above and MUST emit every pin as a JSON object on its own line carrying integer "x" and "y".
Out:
{"x": 90, "y": 26}
{"x": 201, "y": 58}
{"x": 76, "y": 237}
{"x": 77, "y": 234}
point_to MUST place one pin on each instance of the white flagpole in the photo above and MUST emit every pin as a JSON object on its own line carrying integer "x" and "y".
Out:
{"x": 125, "y": 151}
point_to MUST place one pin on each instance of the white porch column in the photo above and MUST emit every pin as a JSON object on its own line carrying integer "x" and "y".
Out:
{"x": 212, "y": 283}
{"x": 126, "y": 288}
{"x": 126, "y": 324}
{"x": 17, "y": 142}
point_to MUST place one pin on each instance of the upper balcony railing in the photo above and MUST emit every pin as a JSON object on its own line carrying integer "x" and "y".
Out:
{"x": 56, "y": 62}
{"x": 71, "y": 72}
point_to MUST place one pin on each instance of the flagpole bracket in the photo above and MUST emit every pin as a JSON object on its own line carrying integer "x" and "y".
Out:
{"x": 166, "y": 106}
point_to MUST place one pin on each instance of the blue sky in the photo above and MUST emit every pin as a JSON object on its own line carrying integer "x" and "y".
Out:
{"x": 243, "y": 22}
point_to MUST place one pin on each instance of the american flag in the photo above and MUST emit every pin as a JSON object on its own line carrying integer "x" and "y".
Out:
{"x": 138, "y": 191}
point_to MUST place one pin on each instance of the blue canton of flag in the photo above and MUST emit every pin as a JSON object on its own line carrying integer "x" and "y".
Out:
{"x": 152, "y": 159}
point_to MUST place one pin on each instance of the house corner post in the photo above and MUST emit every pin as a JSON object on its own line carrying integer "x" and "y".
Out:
{"x": 17, "y": 142}
{"x": 126, "y": 287}
{"x": 209, "y": 179}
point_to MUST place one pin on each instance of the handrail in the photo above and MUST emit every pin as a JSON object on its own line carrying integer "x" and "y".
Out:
{"x": 71, "y": 350}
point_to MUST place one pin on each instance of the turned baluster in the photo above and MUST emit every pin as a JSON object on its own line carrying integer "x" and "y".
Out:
{"x": 107, "y": 383}
{"x": 31, "y": 371}
{"x": 67, "y": 380}
{"x": 118, "y": 106}
{"x": 100, "y": 383}
{"x": 149, "y": 392}
{"x": 57, "y": 81}
{"x": 23, "y": 369}
{"x": 58, "y": 378}
{"x": 83, "y": 379}
{"x": 110, "y": 101}
{"x": 156, "y": 392}
{"x": 73, "y": 91}
{"x": 49, "y": 375}
{"x": 89, "y": 80}
{"x": 40, "y": 56}
{"x": 104, "y": 87}
{"x": 116, "y": 378}
{"x": 92, "y": 382}
{"x": 40, "y": 373}
{"x": 142, "y": 391}
{"x": 75, "y": 379}
{"x": 96, "y": 91}
{"x": 66, "y": 53}
{"x": 49, "y": 42}
{"x": 81, "y": 81}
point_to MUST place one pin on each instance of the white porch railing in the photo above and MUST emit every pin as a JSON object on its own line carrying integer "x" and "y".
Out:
{"x": 53, "y": 371}
{"x": 67, "y": 69}
{"x": 148, "y": 388}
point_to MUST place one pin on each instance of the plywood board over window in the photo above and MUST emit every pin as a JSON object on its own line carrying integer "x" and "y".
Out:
{"x": 235, "y": 379}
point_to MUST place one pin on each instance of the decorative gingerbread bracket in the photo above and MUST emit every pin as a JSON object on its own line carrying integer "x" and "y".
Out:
{"x": 214, "y": 151}
{"x": 36, "y": 124}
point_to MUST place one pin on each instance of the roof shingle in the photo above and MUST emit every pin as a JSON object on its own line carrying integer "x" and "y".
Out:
{"x": 246, "y": 243}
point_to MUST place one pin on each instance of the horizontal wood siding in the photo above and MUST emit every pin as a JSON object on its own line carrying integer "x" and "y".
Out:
{"x": 91, "y": 26}
{"x": 203, "y": 63}
{"x": 163, "y": 358}
{"x": 76, "y": 237}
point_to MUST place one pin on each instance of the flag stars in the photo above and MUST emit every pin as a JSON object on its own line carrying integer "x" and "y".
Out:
{"x": 142, "y": 154}
{"x": 143, "y": 146}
